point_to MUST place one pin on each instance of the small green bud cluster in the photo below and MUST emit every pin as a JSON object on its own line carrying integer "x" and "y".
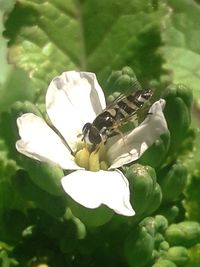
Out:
{"x": 157, "y": 244}
{"x": 157, "y": 236}
{"x": 123, "y": 81}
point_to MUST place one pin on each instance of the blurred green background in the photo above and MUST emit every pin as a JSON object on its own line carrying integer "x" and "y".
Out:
{"x": 160, "y": 41}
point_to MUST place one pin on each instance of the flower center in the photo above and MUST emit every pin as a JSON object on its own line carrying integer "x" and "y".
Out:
{"x": 91, "y": 160}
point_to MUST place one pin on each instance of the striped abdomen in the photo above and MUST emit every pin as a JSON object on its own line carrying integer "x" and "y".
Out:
{"x": 118, "y": 113}
{"x": 129, "y": 105}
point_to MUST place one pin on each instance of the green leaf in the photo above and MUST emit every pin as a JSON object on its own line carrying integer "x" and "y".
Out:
{"x": 53, "y": 205}
{"x": 14, "y": 83}
{"x": 44, "y": 175}
{"x": 181, "y": 37}
{"x": 48, "y": 37}
{"x": 6, "y": 5}
{"x": 16, "y": 86}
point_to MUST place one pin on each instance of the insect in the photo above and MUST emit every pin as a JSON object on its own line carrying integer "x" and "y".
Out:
{"x": 119, "y": 112}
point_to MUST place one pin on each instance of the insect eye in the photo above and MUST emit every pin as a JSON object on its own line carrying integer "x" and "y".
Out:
{"x": 86, "y": 128}
{"x": 94, "y": 136}
{"x": 91, "y": 134}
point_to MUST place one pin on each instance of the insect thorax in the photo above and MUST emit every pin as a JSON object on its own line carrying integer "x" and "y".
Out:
{"x": 98, "y": 131}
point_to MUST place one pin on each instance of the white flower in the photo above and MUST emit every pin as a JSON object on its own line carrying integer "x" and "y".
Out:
{"x": 73, "y": 99}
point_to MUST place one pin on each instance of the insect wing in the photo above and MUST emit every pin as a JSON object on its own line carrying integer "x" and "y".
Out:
{"x": 112, "y": 104}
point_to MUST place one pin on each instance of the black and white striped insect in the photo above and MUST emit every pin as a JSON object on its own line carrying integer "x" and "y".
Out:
{"x": 116, "y": 114}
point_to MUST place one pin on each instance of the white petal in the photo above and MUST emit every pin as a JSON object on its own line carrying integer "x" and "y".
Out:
{"x": 40, "y": 142}
{"x": 125, "y": 150}
{"x": 91, "y": 189}
{"x": 73, "y": 99}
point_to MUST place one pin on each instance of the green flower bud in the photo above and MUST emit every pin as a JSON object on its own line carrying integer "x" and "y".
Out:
{"x": 158, "y": 239}
{"x": 186, "y": 234}
{"x": 114, "y": 76}
{"x": 169, "y": 212}
{"x": 155, "y": 254}
{"x": 145, "y": 192}
{"x": 179, "y": 255}
{"x": 156, "y": 199}
{"x": 172, "y": 181}
{"x": 138, "y": 248}
{"x": 161, "y": 223}
{"x": 53, "y": 205}
{"x": 90, "y": 217}
{"x": 164, "y": 245}
{"x": 127, "y": 70}
{"x": 154, "y": 225}
{"x": 122, "y": 80}
{"x": 178, "y": 101}
{"x": 149, "y": 224}
{"x": 155, "y": 154}
{"x": 44, "y": 175}
{"x": 181, "y": 91}
{"x": 164, "y": 263}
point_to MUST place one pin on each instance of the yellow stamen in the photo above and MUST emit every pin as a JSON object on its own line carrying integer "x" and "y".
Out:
{"x": 94, "y": 164}
{"x": 91, "y": 160}
{"x": 82, "y": 158}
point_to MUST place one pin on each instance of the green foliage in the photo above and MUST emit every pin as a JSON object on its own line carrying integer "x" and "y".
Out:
{"x": 192, "y": 201}
{"x": 164, "y": 263}
{"x": 38, "y": 38}
{"x": 181, "y": 49}
{"x": 30, "y": 192}
{"x": 14, "y": 83}
{"x": 129, "y": 45}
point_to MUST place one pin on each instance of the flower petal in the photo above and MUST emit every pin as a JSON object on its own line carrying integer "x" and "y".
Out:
{"x": 91, "y": 189}
{"x": 40, "y": 142}
{"x": 122, "y": 151}
{"x": 73, "y": 99}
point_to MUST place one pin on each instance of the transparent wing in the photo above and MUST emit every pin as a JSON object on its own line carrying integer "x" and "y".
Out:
{"x": 115, "y": 100}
